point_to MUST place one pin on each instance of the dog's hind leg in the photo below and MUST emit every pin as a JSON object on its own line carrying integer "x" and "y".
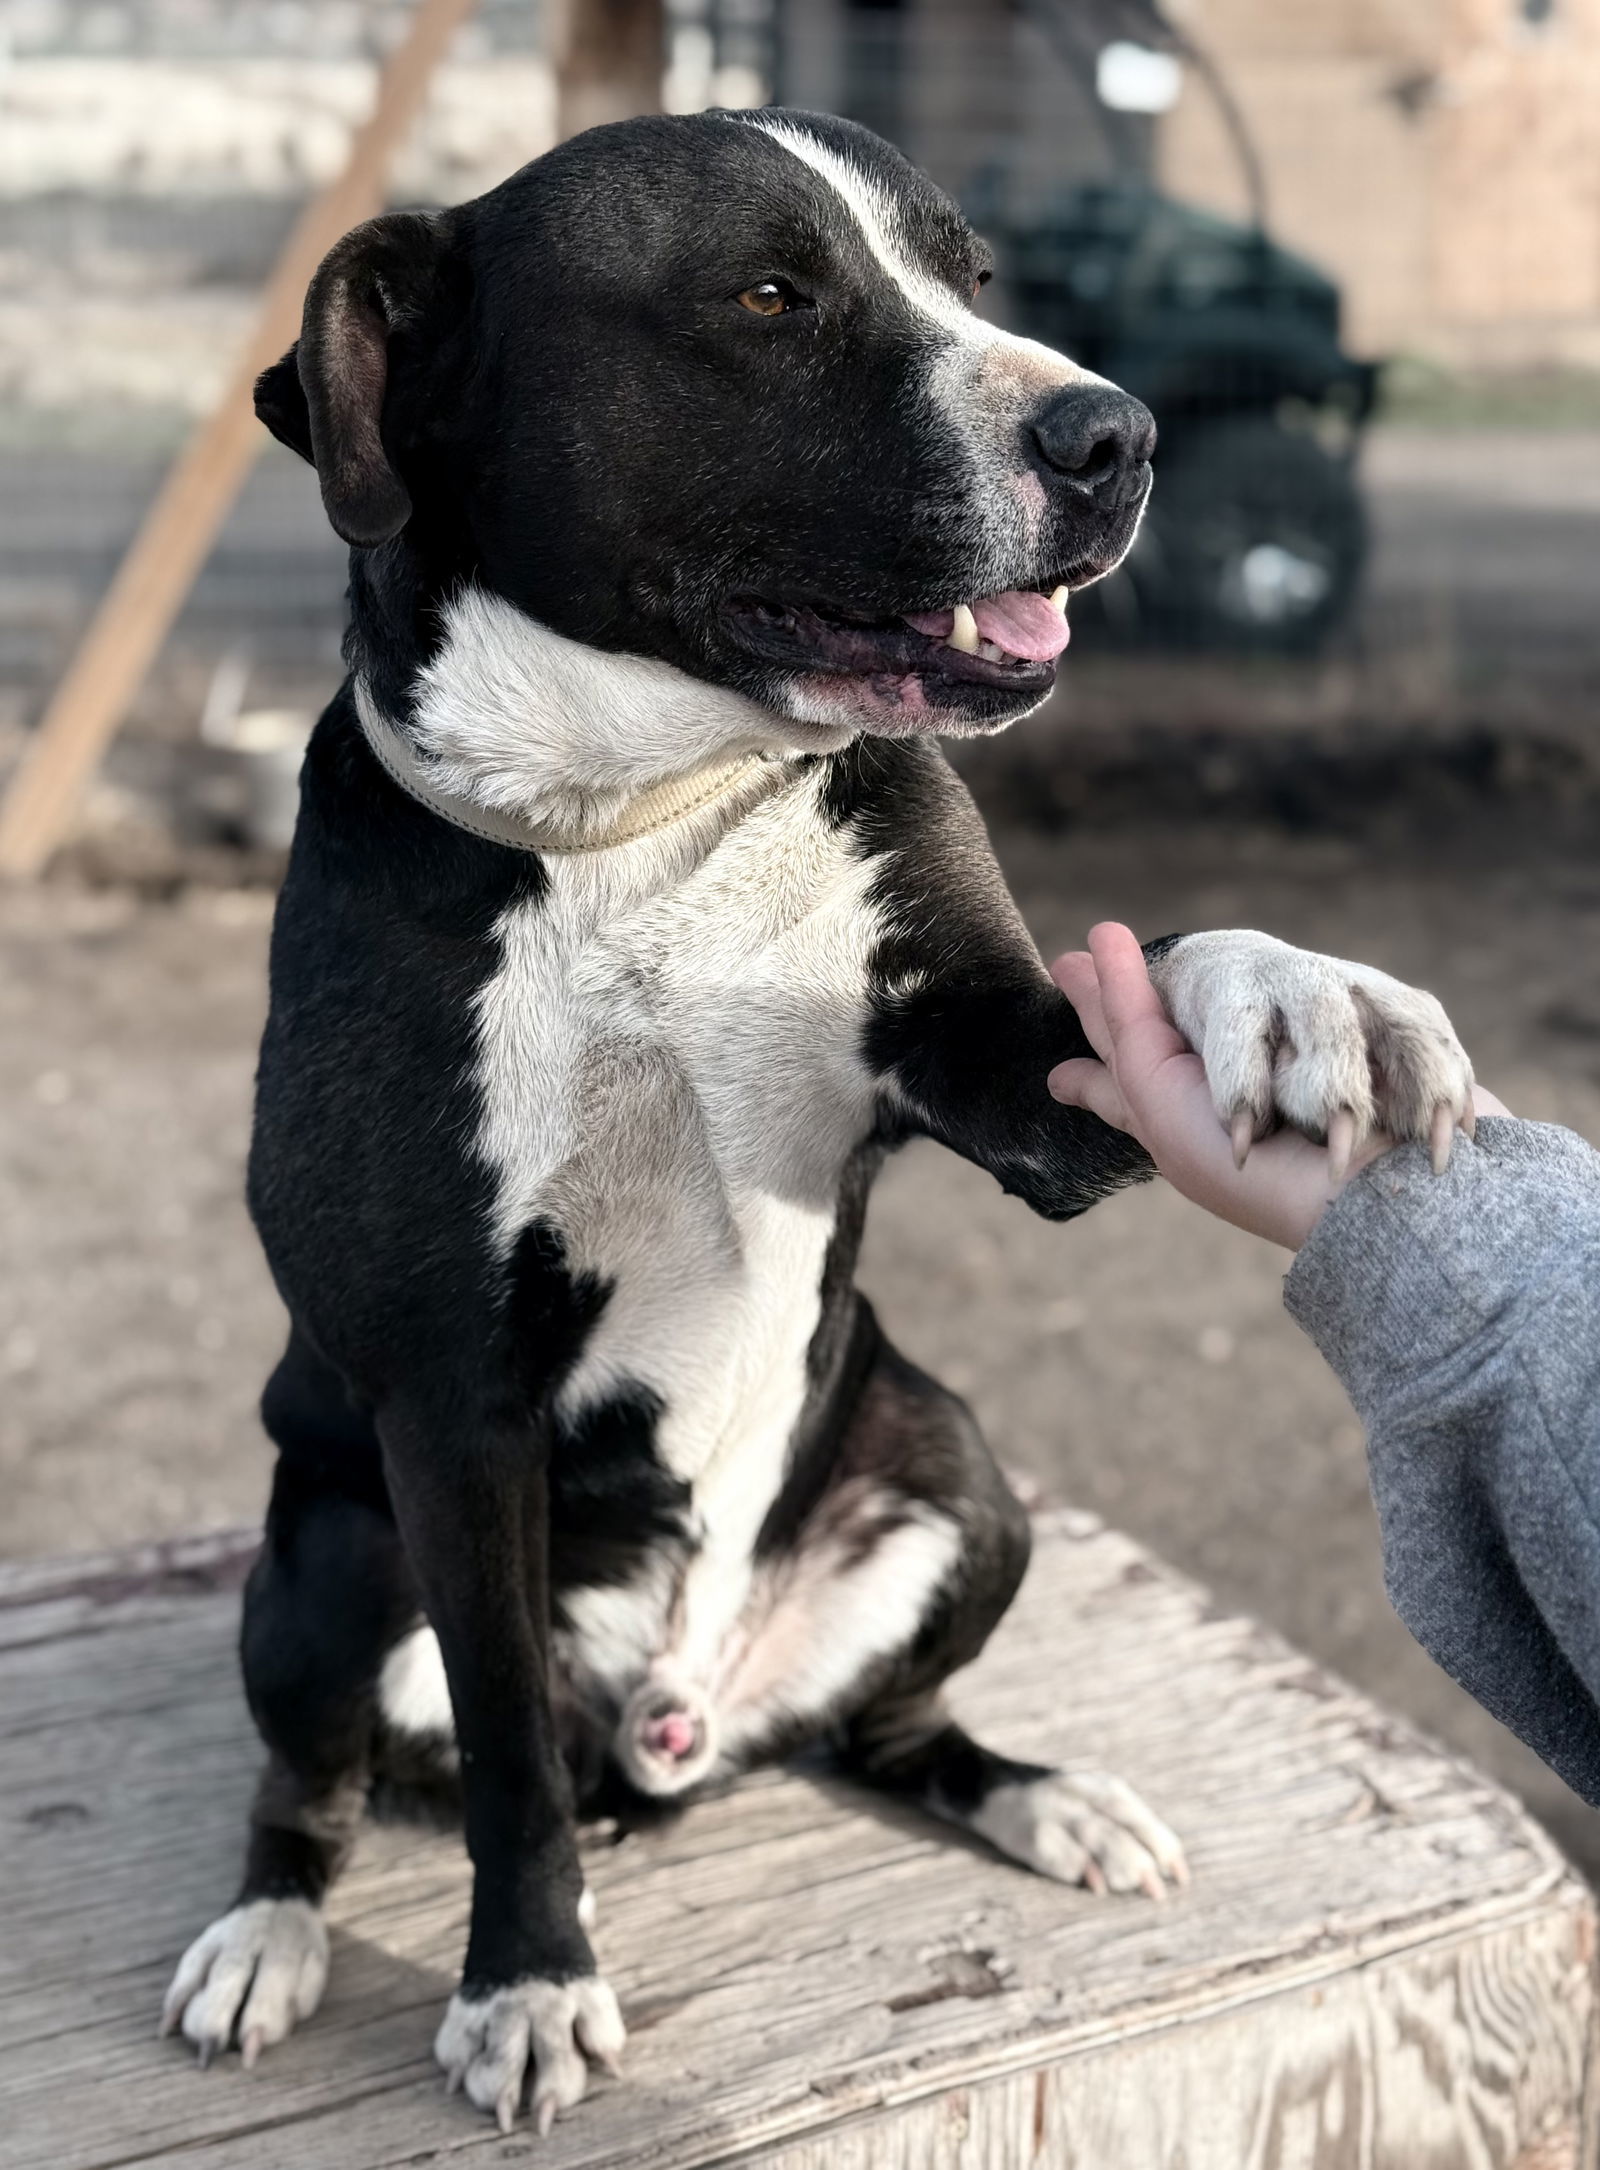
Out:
{"x": 327, "y": 1600}
{"x": 897, "y": 1578}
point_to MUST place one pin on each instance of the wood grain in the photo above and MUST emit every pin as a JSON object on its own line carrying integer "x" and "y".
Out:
{"x": 1382, "y": 1964}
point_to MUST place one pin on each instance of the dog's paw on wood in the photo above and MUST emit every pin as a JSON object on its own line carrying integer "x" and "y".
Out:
{"x": 251, "y": 1977}
{"x": 532, "y": 2034}
{"x": 1083, "y": 1827}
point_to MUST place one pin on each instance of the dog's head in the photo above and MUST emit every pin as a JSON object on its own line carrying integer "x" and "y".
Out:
{"x": 712, "y": 390}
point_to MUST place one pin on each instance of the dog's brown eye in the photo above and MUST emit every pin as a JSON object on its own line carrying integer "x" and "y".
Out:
{"x": 772, "y": 297}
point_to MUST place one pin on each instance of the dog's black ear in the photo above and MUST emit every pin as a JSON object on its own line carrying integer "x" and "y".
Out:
{"x": 326, "y": 397}
{"x": 281, "y": 404}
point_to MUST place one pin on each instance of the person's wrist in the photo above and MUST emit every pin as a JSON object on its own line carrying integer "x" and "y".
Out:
{"x": 1377, "y": 1147}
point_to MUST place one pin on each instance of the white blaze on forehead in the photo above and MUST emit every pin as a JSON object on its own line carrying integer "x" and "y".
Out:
{"x": 875, "y": 212}
{"x": 983, "y": 384}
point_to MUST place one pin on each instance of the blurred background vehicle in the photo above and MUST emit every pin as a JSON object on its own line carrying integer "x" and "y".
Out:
{"x": 1347, "y": 689}
{"x": 1257, "y": 536}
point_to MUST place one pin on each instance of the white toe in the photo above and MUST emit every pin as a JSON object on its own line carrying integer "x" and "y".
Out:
{"x": 531, "y": 2031}
{"x": 252, "y": 1975}
{"x": 1089, "y": 1829}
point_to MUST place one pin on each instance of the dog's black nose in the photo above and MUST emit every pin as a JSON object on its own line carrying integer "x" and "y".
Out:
{"x": 1096, "y": 438}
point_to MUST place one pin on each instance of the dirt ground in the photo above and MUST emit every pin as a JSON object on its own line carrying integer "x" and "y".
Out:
{"x": 1137, "y": 1362}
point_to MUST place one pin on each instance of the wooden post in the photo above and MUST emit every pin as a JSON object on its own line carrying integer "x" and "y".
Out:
{"x": 178, "y": 530}
{"x": 609, "y": 56}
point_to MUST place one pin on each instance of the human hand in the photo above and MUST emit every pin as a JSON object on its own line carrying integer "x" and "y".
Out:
{"x": 1149, "y": 1083}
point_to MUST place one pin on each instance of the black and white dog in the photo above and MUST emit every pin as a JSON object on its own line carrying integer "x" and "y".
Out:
{"x": 633, "y": 916}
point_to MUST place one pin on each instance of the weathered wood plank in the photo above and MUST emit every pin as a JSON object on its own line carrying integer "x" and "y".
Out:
{"x": 1381, "y": 1964}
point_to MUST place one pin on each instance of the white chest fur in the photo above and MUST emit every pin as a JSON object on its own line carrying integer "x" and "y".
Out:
{"x": 669, "y": 1069}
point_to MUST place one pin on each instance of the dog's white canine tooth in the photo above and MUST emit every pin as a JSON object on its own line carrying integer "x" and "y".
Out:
{"x": 1058, "y": 598}
{"x": 963, "y": 632}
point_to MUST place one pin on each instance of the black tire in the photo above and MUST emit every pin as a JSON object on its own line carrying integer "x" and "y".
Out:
{"x": 1255, "y": 539}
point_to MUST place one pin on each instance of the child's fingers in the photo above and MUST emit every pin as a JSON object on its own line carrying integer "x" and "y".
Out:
{"x": 1078, "y": 980}
{"x": 1125, "y": 988}
{"x": 1083, "y": 1083}
{"x": 1139, "y": 1027}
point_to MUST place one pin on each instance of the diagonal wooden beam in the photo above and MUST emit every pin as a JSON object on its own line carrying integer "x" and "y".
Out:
{"x": 177, "y": 532}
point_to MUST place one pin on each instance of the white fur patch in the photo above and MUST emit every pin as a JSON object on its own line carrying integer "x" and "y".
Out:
{"x": 830, "y": 1618}
{"x": 253, "y": 1975}
{"x": 670, "y": 1074}
{"x": 413, "y": 1693}
{"x": 522, "y": 722}
{"x": 875, "y": 212}
{"x": 538, "y": 2030}
{"x": 617, "y": 1628}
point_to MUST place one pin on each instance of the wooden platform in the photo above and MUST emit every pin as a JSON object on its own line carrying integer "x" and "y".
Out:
{"x": 1382, "y": 1965}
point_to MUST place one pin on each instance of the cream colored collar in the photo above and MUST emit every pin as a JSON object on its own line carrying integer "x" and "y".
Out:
{"x": 640, "y": 815}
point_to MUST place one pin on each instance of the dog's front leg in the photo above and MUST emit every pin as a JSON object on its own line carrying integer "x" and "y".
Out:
{"x": 471, "y": 1503}
{"x": 964, "y": 1060}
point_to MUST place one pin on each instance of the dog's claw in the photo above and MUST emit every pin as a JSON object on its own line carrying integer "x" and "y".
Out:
{"x": 250, "y": 2048}
{"x": 1469, "y": 1122}
{"x": 453, "y": 2079}
{"x": 1341, "y": 1144}
{"x": 505, "y": 2111}
{"x": 1440, "y": 1133}
{"x": 1244, "y": 1135}
{"x": 204, "y": 2052}
{"x": 544, "y": 2116}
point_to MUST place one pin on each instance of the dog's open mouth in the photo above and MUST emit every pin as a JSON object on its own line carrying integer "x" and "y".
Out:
{"x": 1009, "y": 640}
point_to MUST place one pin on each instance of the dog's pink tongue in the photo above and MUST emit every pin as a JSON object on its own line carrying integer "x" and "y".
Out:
{"x": 1024, "y": 623}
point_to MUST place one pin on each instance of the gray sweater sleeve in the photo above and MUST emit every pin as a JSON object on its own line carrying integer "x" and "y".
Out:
{"x": 1462, "y": 1313}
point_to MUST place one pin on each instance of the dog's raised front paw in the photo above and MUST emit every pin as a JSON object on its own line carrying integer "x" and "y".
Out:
{"x": 1336, "y": 1050}
{"x": 1083, "y": 1828}
{"x": 250, "y": 1977}
{"x": 539, "y": 2030}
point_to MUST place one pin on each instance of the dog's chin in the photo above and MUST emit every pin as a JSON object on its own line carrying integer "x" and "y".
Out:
{"x": 877, "y": 676}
